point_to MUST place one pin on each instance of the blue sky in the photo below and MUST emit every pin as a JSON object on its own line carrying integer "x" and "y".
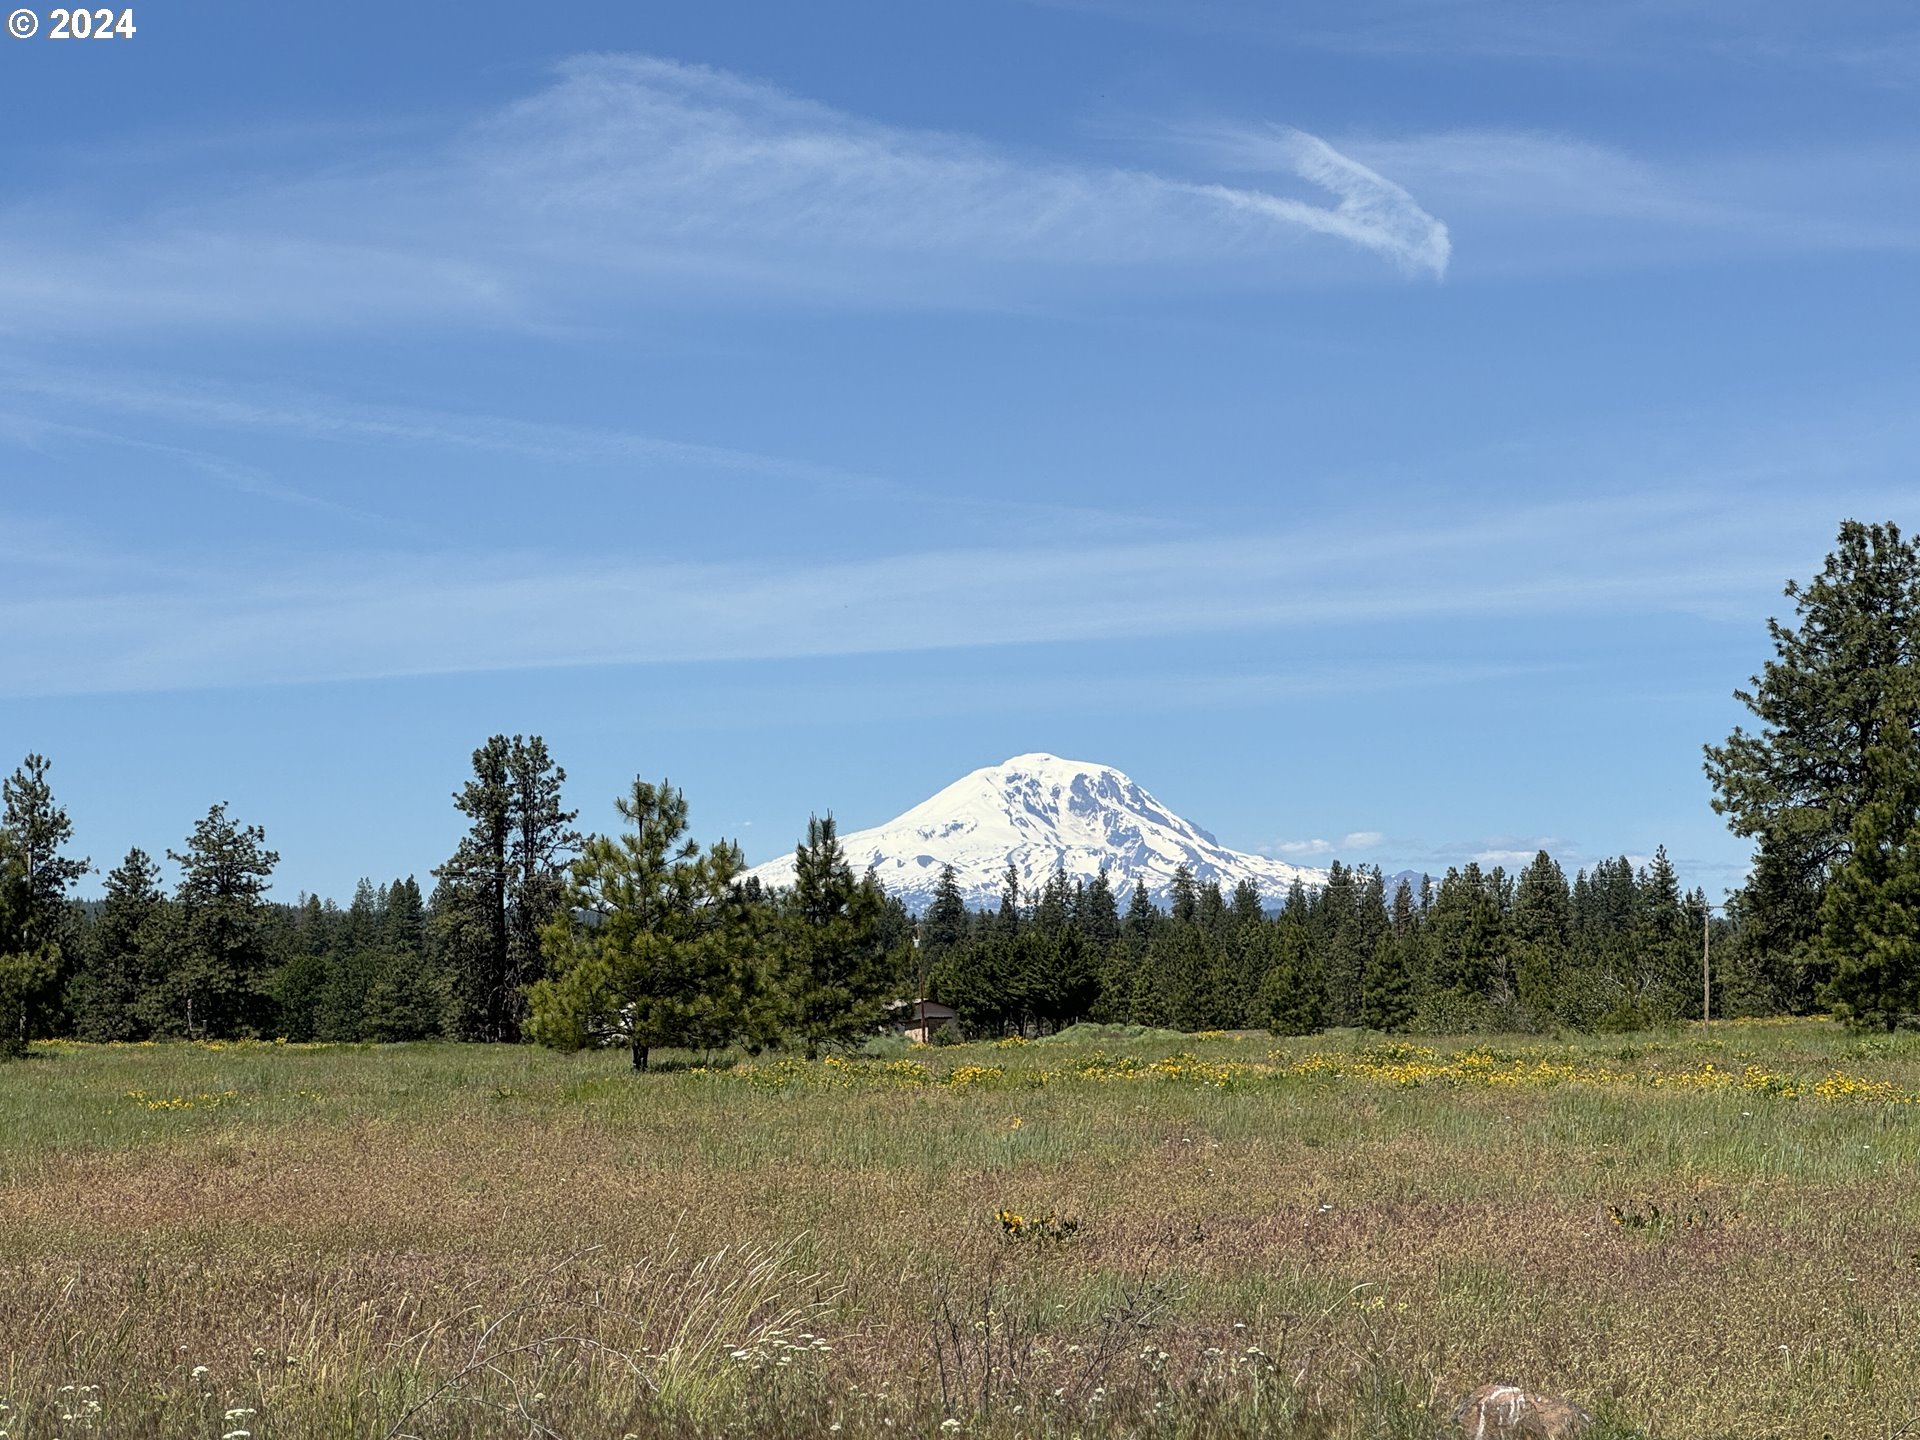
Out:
{"x": 1381, "y": 428}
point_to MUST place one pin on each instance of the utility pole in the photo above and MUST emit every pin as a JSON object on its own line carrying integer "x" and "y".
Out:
{"x": 1706, "y": 961}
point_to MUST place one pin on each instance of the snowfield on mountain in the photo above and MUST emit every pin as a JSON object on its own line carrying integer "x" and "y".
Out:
{"x": 1040, "y": 814}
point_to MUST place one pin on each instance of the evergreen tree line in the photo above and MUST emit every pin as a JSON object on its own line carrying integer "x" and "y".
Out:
{"x": 642, "y": 939}
{"x": 1617, "y": 948}
{"x": 530, "y": 931}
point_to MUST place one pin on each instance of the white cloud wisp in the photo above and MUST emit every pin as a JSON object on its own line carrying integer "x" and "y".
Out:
{"x": 635, "y": 181}
{"x": 376, "y": 614}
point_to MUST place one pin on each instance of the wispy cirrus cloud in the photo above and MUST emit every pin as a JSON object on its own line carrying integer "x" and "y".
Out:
{"x": 632, "y": 180}
{"x": 363, "y": 614}
{"x": 45, "y": 407}
{"x": 1531, "y": 200}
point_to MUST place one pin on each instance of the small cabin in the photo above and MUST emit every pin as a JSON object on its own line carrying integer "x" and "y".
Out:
{"x": 920, "y": 1020}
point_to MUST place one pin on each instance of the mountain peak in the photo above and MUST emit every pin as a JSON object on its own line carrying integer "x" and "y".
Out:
{"x": 1040, "y": 813}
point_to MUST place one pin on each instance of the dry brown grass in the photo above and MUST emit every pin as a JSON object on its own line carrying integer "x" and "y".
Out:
{"x": 457, "y": 1241}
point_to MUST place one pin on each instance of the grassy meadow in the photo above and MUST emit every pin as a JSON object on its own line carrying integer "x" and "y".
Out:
{"x": 1695, "y": 1234}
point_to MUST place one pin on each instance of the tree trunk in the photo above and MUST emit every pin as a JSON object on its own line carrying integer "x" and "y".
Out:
{"x": 639, "y": 1056}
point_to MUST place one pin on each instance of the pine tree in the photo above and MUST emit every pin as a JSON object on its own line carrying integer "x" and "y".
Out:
{"x": 1185, "y": 896}
{"x": 1054, "y": 908}
{"x": 1156, "y": 979}
{"x": 1342, "y": 933}
{"x": 1187, "y": 961}
{"x": 37, "y": 947}
{"x": 40, "y": 830}
{"x": 1466, "y": 935}
{"x": 471, "y": 901}
{"x": 542, "y": 844}
{"x": 1293, "y": 996}
{"x": 945, "y": 926}
{"x": 1870, "y": 917}
{"x": 1540, "y": 932}
{"x": 354, "y": 959}
{"x": 1542, "y": 907}
{"x": 837, "y": 967}
{"x": 404, "y": 999}
{"x": 1099, "y": 912}
{"x": 215, "y": 958}
{"x": 1797, "y": 785}
{"x": 651, "y": 945}
{"x": 1405, "y": 917}
{"x": 29, "y": 963}
{"x": 1009, "y": 915}
{"x": 1665, "y": 945}
{"x": 1387, "y": 1001}
{"x": 503, "y": 884}
{"x": 1248, "y": 908}
{"x": 1143, "y": 917}
{"x": 1211, "y": 913}
{"x": 120, "y": 957}
{"x": 300, "y": 979}
{"x": 1060, "y": 982}
{"x": 405, "y": 917}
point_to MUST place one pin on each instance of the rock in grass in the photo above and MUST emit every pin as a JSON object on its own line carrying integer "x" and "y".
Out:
{"x": 1507, "y": 1412}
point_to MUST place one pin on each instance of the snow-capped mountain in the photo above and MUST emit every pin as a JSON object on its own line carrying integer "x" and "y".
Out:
{"x": 1041, "y": 813}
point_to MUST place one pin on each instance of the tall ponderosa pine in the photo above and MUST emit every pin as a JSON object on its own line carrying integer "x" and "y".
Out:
{"x": 36, "y": 943}
{"x": 1870, "y": 917}
{"x": 40, "y": 830}
{"x": 652, "y": 943}
{"x": 1797, "y": 785}
{"x": 503, "y": 884}
{"x": 1008, "y": 918}
{"x": 29, "y": 963}
{"x": 470, "y": 903}
{"x": 542, "y": 846}
{"x": 216, "y": 957}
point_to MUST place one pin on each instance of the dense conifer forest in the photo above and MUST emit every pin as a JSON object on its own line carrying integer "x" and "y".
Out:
{"x": 530, "y": 930}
